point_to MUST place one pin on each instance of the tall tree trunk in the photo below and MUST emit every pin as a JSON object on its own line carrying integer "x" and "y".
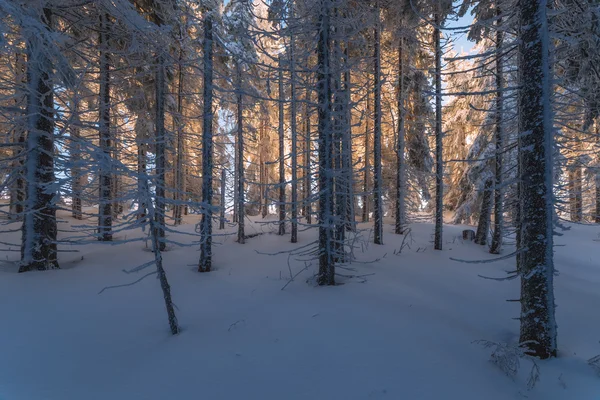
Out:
{"x": 76, "y": 163}
{"x": 142, "y": 178}
{"x": 347, "y": 148}
{"x": 498, "y": 159}
{"x": 367, "y": 174}
{"x": 38, "y": 247}
{"x": 439, "y": 166}
{"x": 179, "y": 158}
{"x": 240, "y": 160}
{"x": 281, "y": 185}
{"x": 205, "y": 263}
{"x": 159, "y": 212}
{"x": 484, "y": 216}
{"x": 105, "y": 165}
{"x": 377, "y": 177}
{"x": 307, "y": 162}
{"x": 223, "y": 181}
{"x": 326, "y": 274}
{"x": 538, "y": 324}
{"x": 293, "y": 134}
{"x": 338, "y": 138}
{"x": 400, "y": 225}
{"x": 18, "y": 189}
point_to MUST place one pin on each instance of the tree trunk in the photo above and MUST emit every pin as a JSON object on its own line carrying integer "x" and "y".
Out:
{"x": 205, "y": 263}
{"x": 307, "y": 162}
{"x": 484, "y": 216}
{"x": 281, "y": 204}
{"x": 240, "y": 160}
{"x": 18, "y": 189}
{"x": 498, "y": 160}
{"x": 179, "y": 159}
{"x": 367, "y": 182}
{"x": 293, "y": 133}
{"x": 105, "y": 164}
{"x": 223, "y": 180}
{"x": 38, "y": 247}
{"x": 76, "y": 162}
{"x": 538, "y": 324}
{"x": 159, "y": 212}
{"x": 377, "y": 177}
{"x": 439, "y": 166}
{"x": 347, "y": 148}
{"x": 400, "y": 225}
{"x": 326, "y": 274}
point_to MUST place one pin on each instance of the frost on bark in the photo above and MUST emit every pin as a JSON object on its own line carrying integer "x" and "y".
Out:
{"x": 377, "y": 174}
{"x": 205, "y": 263}
{"x": 105, "y": 162}
{"x": 326, "y": 275}
{"x": 439, "y": 166}
{"x": 538, "y": 324}
{"x": 38, "y": 246}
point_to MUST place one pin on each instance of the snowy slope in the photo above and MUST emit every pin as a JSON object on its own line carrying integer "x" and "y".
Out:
{"x": 404, "y": 333}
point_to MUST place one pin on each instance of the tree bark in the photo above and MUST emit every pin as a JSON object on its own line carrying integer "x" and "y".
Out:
{"x": 499, "y": 137}
{"x": 159, "y": 212}
{"x": 105, "y": 164}
{"x": 18, "y": 189}
{"x": 205, "y": 263}
{"x": 326, "y": 275}
{"x": 293, "y": 134}
{"x": 439, "y": 166}
{"x": 367, "y": 173}
{"x": 307, "y": 162}
{"x": 38, "y": 247}
{"x": 400, "y": 225}
{"x": 538, "y": 324}
{"x": 240, "y": 160}
{"x": 484, "y": 216}
{"x": 281, "y": 185}
{"x": 377, "y": 176}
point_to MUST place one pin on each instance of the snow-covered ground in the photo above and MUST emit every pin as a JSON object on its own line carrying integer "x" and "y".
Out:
{"x": 403, "y": 331}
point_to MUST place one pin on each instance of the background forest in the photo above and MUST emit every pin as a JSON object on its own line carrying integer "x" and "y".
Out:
{"x": 350, "y": 129}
